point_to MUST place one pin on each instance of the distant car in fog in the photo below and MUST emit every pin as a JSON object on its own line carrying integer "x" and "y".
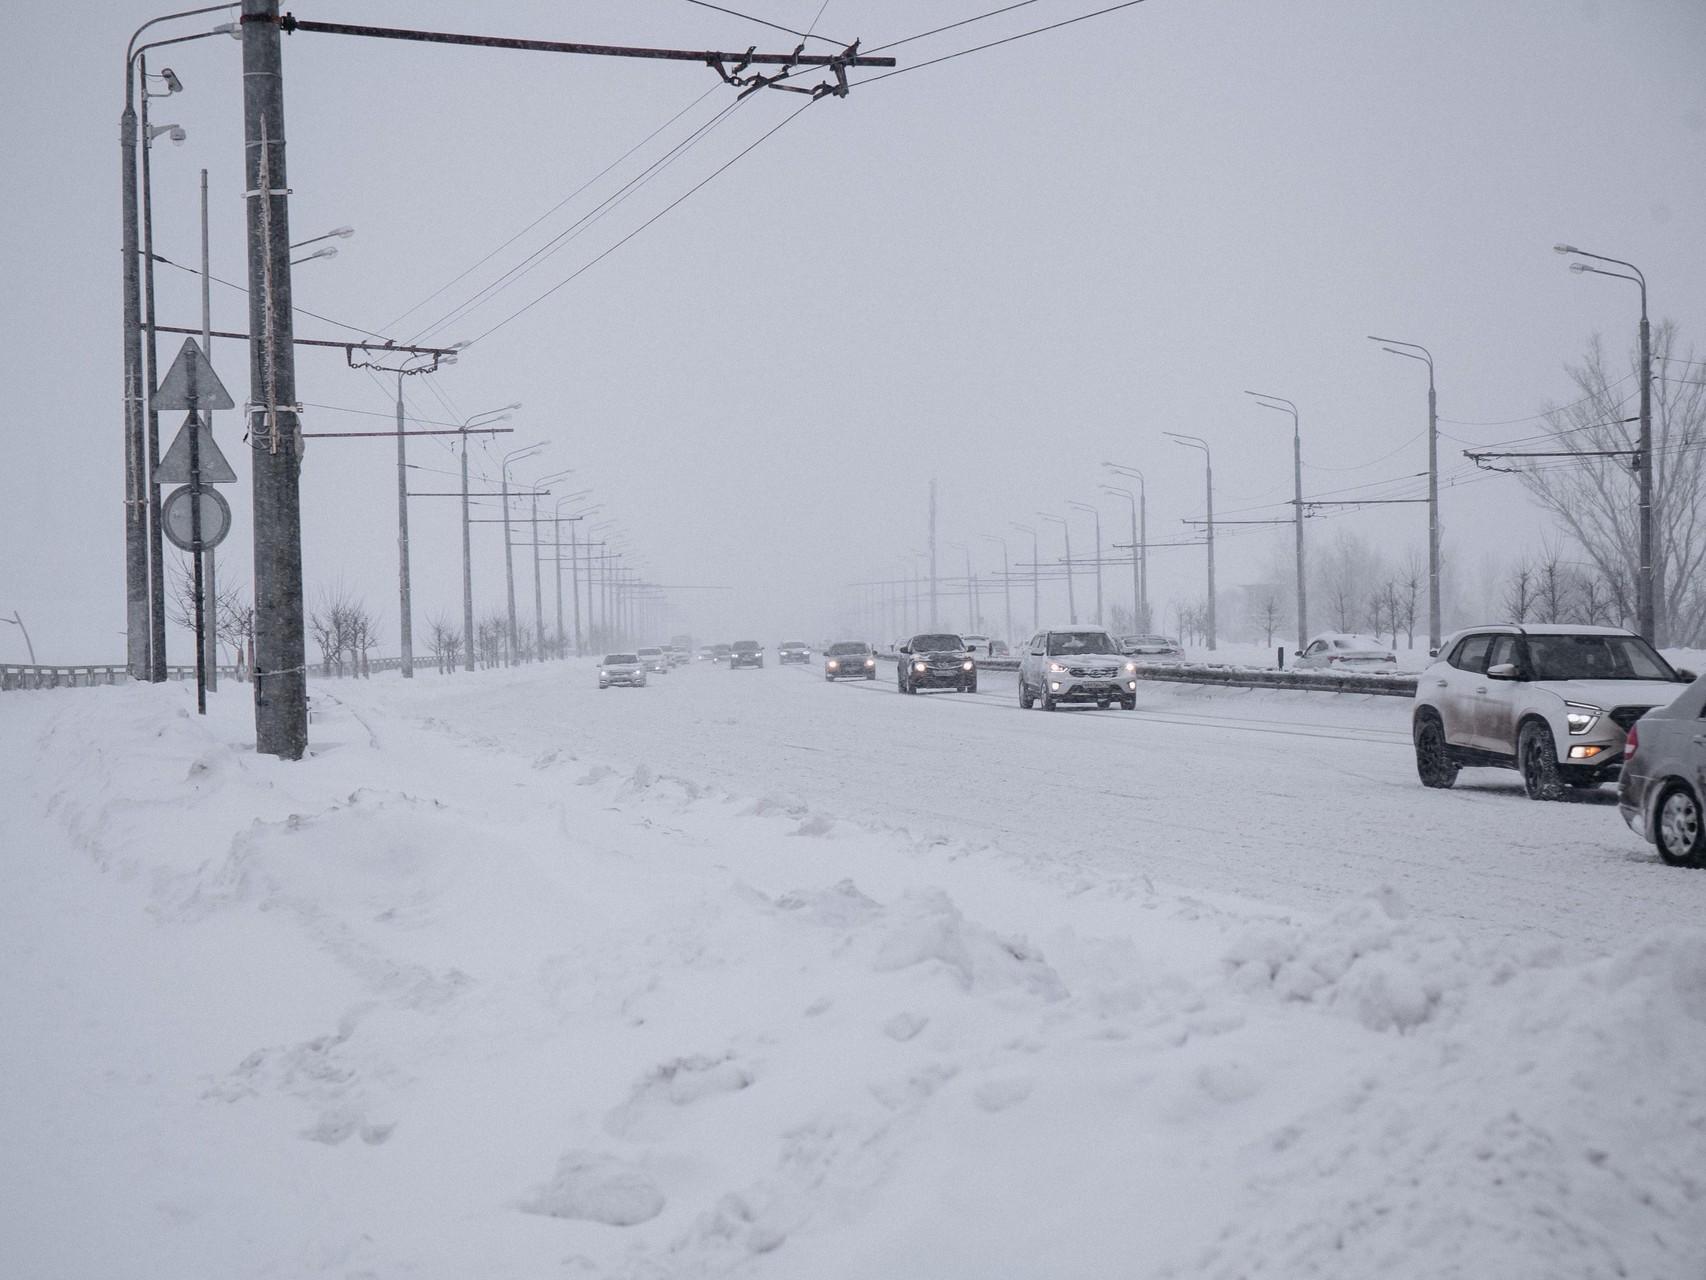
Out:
{"x": 746, "y": 653}
{"x": 849, "y": 660}
{"x": 935, "y": 660}
{"x": 622, "y": 668}
{"x": 720, "y": 652}
{"x": 677, "y": 656}
{"x": 976, "y": 644}
{"x": 793, "y": 651}
{"x": 999, "y": 649}
{"x": 1152, "y": 648}
{"x": 654, "y": 660}
{"x": 1340, "y": 650}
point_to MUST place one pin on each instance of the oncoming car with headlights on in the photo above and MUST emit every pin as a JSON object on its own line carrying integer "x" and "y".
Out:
{"x": 849, "y": 660}
{"x": 622, "y": 668}
{"x": 1076, "y": 664}
{"x": 935, "y": 660}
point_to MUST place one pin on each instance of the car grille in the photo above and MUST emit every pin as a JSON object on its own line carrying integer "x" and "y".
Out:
{"x": 1093, "y": 673}
{"x": 1624, "y": 717}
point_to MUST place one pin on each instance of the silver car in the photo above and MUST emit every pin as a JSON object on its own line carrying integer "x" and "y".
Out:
{"x": 1662, "y": 790}
{"x": 622, "y": 668}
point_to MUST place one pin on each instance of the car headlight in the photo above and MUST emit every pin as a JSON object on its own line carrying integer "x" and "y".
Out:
{"x": 833, "y": 663}
{"x": 870, "y": 662}
{"x": 921, "y": 666}
{"x": 1581, "y": 716}
{"x": 603, "y": 672}
{"x": 1131, "y": 668}
{"x": 966, "y": 665}
{"x": 1056, "y": 667}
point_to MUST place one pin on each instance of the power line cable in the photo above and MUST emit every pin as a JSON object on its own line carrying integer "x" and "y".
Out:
{"x": 691, "y": 191}
{"x": 774, "y": 26}
{"x": 1034, "y": 31}
{"x": 554, "y": 208}
{"x": 963, "y": 22}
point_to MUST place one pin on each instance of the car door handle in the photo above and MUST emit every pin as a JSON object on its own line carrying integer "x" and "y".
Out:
{"x": 1700, "y": 739}
{"x": 1440, "y": 684}
{"x": 1480, "y": 688}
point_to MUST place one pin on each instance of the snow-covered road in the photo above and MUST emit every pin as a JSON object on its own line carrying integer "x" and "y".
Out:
{"x": 1297, "y": 800}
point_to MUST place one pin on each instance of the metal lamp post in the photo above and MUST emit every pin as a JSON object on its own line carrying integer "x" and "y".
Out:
{"x": 541, "y": 486}
{"x": 1392, "y": 345}
{"x": 139, "y": 632}
{"x": 1085, "y": 506}
{"x": 1280, "y": 403}
{"x": 1139, "y": 615}
{"x": 1036, "y": 595}
{"x": 479, "y": 419}
{"x": 514, "y": 455}
{"x": 971, "y": 586}
{"x": 1197, "y": 442}
{"x": 1140, "y": 537}
{"x": 1006, "y": 583}
{"x": 1647, "y": 607}
{"x": 1071, "y": 598}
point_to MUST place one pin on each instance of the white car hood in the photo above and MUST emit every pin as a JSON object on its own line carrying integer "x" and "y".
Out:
{"x": 1614, "y": 693}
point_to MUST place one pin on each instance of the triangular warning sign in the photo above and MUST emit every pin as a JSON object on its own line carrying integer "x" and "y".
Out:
{"x": 174, "y": 468}
{"x": 191, "y": 383}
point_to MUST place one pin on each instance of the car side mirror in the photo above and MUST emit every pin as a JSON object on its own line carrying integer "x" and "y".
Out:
{"x": 1433, "y": 653}
{"x": 1685, "y": 676}
{"x": 1503, "y": 671}
{"x": 1298, "y": 654}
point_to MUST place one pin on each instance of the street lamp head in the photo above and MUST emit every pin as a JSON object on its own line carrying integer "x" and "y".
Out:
{"x": 1579, "y": 267}
{"x": 173, "y": 84}
{"x": 173, "y": 131}
{"x": 342, "y": 233}
{"x": 1565, "y": 248}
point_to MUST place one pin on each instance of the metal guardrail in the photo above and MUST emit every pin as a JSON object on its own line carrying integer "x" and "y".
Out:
{"x": 78, "y": 675}
{"x": 1370, "y": 682}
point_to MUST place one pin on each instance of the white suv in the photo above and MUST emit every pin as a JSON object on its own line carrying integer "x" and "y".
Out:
{"x": 1076, "y": 664}
{"x": 1553, "y": 702}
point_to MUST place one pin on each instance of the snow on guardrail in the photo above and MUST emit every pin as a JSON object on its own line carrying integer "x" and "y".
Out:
{"x": 1373, "y": 682}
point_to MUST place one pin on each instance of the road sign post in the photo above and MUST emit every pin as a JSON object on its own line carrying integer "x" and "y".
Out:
{"x": 194, "y": 461}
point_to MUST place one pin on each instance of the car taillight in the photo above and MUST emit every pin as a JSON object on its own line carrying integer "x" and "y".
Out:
{"x": 1631, "y": 743}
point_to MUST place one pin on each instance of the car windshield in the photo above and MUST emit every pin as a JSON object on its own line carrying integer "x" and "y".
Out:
{"x": 848, "y": 649}
{"x": 936, "y": 643}
{"x": 794, "y": 644}
{"x": 746, "y": 646}
{"x": 1595, "y": 658}
{"x": 620, "y": 659}
{"x": 1150, "y": 642}
{"x": 1065, "y": 644}
{"x": 650, "y": 653}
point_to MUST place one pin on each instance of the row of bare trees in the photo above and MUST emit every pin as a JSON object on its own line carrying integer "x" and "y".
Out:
{"x": 344, "y": 630}
{"x": 234, "y": 614}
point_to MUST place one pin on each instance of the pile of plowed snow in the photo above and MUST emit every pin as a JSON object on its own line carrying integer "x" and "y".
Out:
{"x": 418, "y": 1006}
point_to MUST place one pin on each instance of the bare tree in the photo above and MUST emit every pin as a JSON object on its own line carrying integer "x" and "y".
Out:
{"x": 1413, "y": 575}
{"x": 491, "y": 639}
{"x": 1519, "y": 593}
{"x": 444, "y": 639}
{"x": 1270, "y": 619}
{"x": 1595, "y": 498}
{"x": 343, "y": 629}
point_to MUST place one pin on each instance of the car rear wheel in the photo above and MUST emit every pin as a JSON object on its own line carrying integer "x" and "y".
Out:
{"x": 1678, "y": 830}
{"x": 1434, "y": 765}
{"x": 1537, "y": 757}
{"x": 1026, "y": 699}
{"x": 1129, "y": 704}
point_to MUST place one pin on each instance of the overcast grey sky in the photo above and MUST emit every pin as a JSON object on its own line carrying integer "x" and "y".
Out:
{"x": 999, "y": 271}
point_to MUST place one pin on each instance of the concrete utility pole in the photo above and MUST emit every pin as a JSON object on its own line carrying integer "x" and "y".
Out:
{"x": 1006, "y": 585}
{"x": 1648, "y": 607}
{"x": 1426, "y": 357}
{"x": 1283, "y": 405}
{"x": 1071, "y": 597}
{"x": 281, "y": 683}
{"x": 210, "y": 589}
{"x": 156, "y": 534}
{"x": 1085, "y": 506}
{"x": 509, "y": 558}
{"x": 1197, "y": 442}
{"x": 405, "y": 621}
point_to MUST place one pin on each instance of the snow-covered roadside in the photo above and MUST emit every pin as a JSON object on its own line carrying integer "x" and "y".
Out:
{"x": 421, "y": 1006}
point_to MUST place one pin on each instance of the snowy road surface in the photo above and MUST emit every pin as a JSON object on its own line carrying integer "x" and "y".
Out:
{"x": 747, "y": 975}
{"x": 1292, "y": 799}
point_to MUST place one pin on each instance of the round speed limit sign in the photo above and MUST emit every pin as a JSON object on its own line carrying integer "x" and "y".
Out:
{"x": 177, "y": 516}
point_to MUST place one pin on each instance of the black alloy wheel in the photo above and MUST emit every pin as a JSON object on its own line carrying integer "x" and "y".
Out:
{"x": 1537, "y": 757}
{"x": 1434, "y": 765}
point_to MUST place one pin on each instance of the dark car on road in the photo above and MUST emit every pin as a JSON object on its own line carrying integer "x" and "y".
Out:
{"x": 935, "y": 660}
{"x": 746, "y": 653}
{"x": 793, "y": 651}
{"x": 849, "y": 660}
{"x": 1662, "y": 789}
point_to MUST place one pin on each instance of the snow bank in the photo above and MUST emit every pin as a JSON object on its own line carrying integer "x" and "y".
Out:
{"x": 423, "y": 1005}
